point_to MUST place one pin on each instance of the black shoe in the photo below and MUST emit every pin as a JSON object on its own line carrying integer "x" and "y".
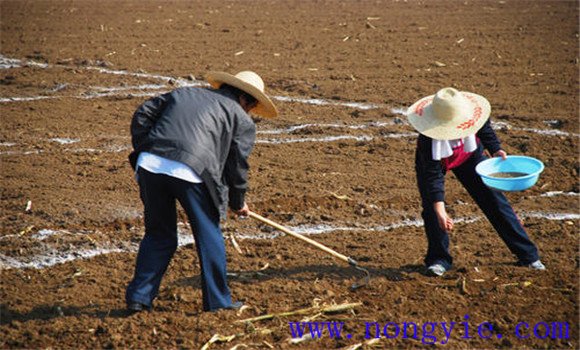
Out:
{"x": 137, "y": 307}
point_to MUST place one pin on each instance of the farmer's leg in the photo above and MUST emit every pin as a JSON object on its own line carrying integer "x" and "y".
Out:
{"x": 160, "y": 240}
{"x": 437, "y": 238}
{"x": 497, "y": 209}
{"x": 205, "y": 220}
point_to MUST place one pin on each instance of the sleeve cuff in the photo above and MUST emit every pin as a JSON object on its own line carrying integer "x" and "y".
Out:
{"x": 237, "y": 200}
{"x": 438, "y": 197}
{"x": 492, "y": 150}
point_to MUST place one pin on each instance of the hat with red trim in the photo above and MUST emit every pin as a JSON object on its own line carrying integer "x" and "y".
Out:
{"x": 449, "y": 114}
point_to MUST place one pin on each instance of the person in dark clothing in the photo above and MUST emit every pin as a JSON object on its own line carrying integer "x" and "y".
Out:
{"x": 454, "y": 130}
{"x": 191, "y": 145}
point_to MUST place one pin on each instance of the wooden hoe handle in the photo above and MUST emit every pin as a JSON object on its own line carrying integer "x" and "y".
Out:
{"x": 305, "y": 239}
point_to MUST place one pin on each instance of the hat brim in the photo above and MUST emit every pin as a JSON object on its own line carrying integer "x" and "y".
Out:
{"x": 264, "y": 108}
{"x": 421, "y": 117}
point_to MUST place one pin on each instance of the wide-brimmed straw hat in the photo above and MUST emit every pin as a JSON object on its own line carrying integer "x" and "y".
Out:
{"x": 250, "y": 83}
{"x": 449, "y": 114}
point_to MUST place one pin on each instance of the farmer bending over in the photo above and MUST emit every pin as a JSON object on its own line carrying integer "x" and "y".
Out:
{"x": 454, "y": 129}
{"x": 192, "y": 145}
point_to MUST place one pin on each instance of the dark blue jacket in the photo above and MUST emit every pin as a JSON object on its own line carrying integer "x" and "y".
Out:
{"x": 205, "y": 129}
{"x": 431, "y": 173}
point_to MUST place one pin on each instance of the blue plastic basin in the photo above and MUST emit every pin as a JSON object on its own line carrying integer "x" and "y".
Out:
{"x": 532, "y": 167}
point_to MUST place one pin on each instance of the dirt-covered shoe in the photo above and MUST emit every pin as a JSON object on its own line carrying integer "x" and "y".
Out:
{"x": 235, "y": 306}
{"x": 436, "y": 270}
{"x": 537, "y": 265}
{"x": 137, "y": 307}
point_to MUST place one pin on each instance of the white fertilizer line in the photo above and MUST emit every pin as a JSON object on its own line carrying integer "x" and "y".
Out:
{"x": 419, "y": 223}
{"x": 559, "y": 193}
{"x": 127, "y": 146}
{"x": 551, "y": 216}
{"x": 294, "y": 128}
{"x": 7, "y": 63}
{"x": 45, "y": 233}
{"x": 54, "y": 257}
{"x": 399, "y": 110}
{"x": 325, "y": 102}
{"x": 86, "y": 96}
{"x": 544, "y": 132}
{"x": 64, "y": 141}
{"x": 335, "y": 138}
{"x": 280, "y": 140}
{"x": 289, "y": 130}
{"x": 319, "y": 229}
{"x": 89, "y": 95}
{"x": 138, "y": 75}
{"x": 114, "y": 91}
{"x": 92, "y": 95}
{"x": 121, "y": 91}
{"x": 26, "y": 99}
{"x": 20, "y": 153}
{"x": 315, "y": 139}
{"x": 548, "y": 132}
{"x": 127, "y": 88}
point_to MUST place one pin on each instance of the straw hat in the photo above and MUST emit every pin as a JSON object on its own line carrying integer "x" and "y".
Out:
{"x": 449, "y": 114}
{"x": 250, "y": 83}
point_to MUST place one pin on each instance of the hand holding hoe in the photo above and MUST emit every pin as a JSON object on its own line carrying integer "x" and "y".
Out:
{"x": 361, "y": 283}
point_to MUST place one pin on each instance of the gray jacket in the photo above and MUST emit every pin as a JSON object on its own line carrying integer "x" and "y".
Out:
{"x": 204, "y": 128}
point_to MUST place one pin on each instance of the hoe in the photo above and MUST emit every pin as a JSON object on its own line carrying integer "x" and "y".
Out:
{"x": 361, "y": 283}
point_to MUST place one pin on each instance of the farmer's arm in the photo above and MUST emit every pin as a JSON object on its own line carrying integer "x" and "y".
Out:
{"x": 236, "y": 168}
{"x": 430, "y": 174}
{"x": 445, "y": 221}
{"x": 145, "y": 118}
{"x": 431, "y": 178}
{"x": 490, "y": 140}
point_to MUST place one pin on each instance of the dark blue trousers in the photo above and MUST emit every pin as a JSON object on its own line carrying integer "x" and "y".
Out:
{"x": 159, "y": 194}
{"x": 494, "y": 205}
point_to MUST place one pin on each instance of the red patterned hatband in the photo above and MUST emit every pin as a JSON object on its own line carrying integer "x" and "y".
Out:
{"x": 477, "y": 112}
{"x": 421, "y": 106}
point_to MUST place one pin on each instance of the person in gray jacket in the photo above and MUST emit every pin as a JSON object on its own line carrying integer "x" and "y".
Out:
{"x": 192, "y": 145}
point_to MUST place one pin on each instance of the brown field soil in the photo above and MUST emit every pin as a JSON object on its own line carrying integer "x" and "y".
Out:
{"x": 86, "y": 65}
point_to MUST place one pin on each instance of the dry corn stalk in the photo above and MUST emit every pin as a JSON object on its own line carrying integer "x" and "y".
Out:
{"x": 304, "y": 338}
{"x": 26, "y": 230}
{"x": 522, "y": 284}
{"x": 323, "y": 309}
{"x": 238, "y": 346}
{"x": 341, "y": 197}
{"x": 463, "y": 286}
{"x": 236, "y": 245}
{"x": 218, "y": 338}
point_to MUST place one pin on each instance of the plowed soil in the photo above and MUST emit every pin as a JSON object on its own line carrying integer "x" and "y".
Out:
{"x": 337, "y": 165}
